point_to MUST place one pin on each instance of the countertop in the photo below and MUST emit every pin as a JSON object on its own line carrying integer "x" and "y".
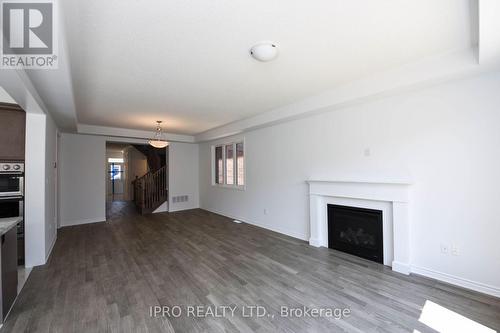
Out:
{"x": 8, "y": 223}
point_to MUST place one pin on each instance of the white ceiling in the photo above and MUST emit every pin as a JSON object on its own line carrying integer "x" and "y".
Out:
{"x": 5, "y": 97}
{"x": 187, "y": 63}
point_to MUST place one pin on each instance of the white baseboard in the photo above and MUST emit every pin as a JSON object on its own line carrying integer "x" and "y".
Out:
{"x": 314, "y": 242}
{"x": 50, "y": 249}
{"x": 83, "y": 221}
{"x": 291, "y": 234}
{"x": 175, "y": 208}
{"x": 458, "y": 281}
{"x": 162, "y": 209}
{"x": 401, "y": 267}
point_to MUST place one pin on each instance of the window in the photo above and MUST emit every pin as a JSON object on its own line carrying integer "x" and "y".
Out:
{"x": 240, "y": 164}
{"x": 115, "y": 171}
{"x": 219, "y": 167}
{"x": 229, "y": 165}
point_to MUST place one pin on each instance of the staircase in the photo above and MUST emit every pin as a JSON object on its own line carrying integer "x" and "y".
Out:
{"x": 150, "y": 190}
{"x": 156, "y": 157}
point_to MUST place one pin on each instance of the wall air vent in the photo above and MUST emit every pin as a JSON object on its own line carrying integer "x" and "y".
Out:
{"x": 180, "y": 198}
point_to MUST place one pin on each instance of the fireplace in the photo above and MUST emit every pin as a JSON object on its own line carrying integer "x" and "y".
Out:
{"x": 357, "y": 231}
{"x": 391, "y": 198}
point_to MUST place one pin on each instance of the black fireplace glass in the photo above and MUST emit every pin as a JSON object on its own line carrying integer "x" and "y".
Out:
{"x": 357, "y": 231}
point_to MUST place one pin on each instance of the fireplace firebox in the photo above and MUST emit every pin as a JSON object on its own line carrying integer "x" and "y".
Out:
{"x": 357, "y": 231}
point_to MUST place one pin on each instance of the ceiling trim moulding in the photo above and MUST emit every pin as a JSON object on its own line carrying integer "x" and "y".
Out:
{"x": 410, "y": 77}
{"x": 130, "y": 133}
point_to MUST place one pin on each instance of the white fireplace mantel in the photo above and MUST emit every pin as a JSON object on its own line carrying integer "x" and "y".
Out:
{"x": 390, "y": 197}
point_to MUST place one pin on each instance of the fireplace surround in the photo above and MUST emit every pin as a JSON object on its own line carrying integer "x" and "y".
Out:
{"x": 389, "y": 197}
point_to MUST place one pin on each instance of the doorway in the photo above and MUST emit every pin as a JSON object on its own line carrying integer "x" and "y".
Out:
{"x": 127, "y": 163}
{"x": 119, "y": 172}
{"x": 116, "y": 176}
{"x": 115, "y": 171}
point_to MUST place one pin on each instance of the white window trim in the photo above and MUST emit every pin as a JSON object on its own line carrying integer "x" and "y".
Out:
{"x": 235, "y": 168}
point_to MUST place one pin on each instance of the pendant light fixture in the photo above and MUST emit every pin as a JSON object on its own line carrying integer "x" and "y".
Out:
{"x": 157, "y": 141}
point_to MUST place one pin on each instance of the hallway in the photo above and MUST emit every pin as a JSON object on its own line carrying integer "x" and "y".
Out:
{"x": 120, "y": 209}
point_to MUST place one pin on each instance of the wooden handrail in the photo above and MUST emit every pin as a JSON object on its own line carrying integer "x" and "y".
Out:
{"x": 149, "y": 173}
{"x": 150, "y": 190}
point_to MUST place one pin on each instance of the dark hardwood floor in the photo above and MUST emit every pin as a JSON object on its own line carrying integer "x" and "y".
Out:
{"x": 104, "y": 277}
{"x": 120, "y": 209}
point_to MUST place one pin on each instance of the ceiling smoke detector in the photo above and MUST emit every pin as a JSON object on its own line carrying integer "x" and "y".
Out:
{"x": 264, "y": 52}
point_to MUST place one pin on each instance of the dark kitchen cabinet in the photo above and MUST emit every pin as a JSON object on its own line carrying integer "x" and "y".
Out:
{"x": 12, "y": 132}
{"x": 9, "y": 270}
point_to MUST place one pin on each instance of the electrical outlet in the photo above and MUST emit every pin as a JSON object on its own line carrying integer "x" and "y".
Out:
{"x": 367, "y": 152}
{"x": 444, "y": 249}
{"x": 265, "y": 211}
{"x": 455, "y": 250}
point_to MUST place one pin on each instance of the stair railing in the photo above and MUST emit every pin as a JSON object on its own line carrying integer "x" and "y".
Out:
{"x": 150, "y": 190}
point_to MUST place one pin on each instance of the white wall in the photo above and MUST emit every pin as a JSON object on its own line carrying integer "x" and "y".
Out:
{"x": 50, "y": 185}
{"x": 183, "y": 175}
{"x": 82, "y": 179}
{"x": 445, "y": 139}
{"x": 5, "y": 97}
{"x": 34, "y": 195}
{"x": 40, "y": 188}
